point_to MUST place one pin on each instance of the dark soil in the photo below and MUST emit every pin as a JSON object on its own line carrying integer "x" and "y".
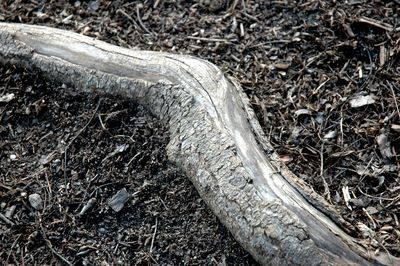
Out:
{"x": 306, "y": 66}
{"x": 69, "y": 147}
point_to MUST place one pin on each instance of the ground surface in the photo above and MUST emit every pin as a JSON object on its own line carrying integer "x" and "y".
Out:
{"x": 323, "y": 77}
{"x": 112, "y": 145}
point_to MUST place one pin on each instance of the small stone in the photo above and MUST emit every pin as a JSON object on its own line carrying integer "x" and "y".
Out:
{"x": 372, "y": 210}
{"x": 94, "y": 5}
{"x": 330, "y": 134}
{"x": 36, "y": 201}
{"x": 118, "y": 200}
{"x": 102, "y": 230}
{"x": 13, "y": 157}
{"x": 88, "y": 206}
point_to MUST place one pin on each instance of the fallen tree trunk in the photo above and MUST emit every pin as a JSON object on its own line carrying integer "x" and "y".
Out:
{"x": 214, "y": 137}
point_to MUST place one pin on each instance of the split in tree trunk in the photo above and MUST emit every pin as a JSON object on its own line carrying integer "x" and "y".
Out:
{"x": 214, "y": 138}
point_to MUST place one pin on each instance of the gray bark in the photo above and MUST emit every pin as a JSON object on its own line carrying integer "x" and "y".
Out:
{"x": 214, "y": 138}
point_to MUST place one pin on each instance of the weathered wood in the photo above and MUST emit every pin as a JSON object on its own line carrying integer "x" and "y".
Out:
{"x": 214, "y": 137}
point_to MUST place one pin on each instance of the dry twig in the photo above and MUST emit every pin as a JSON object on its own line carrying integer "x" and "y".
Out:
{"x": 376, "y": 23}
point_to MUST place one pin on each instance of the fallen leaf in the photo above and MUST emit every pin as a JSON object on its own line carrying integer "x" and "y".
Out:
{"x": 36, "y": 201}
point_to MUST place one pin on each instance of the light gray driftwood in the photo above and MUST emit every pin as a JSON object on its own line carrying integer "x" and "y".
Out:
{"x": 214, "y": 138}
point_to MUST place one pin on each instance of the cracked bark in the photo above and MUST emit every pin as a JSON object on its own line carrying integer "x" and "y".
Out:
{"x": 214, "y": 138}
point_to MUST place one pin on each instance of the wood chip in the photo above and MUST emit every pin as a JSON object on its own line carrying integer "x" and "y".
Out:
{"x": 346, "y": 196}
{"x": 10, "y": 211}
{"x": 349, "y": 31}
{"x": 241, "y": 30}
{"x": 118, "y": 201}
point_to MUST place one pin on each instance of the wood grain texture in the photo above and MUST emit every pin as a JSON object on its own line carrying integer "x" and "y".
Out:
{"x": 214, "y": 138}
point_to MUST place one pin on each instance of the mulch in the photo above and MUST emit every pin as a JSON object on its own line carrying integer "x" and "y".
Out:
{"x": 323, "y": 78}
{"x": 84, "y": 180}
